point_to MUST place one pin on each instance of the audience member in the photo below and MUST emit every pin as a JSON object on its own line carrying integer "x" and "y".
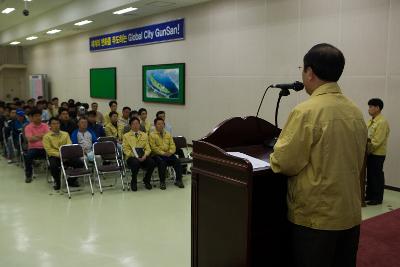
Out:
{"x": 163, "y": 149}
{"x": 34, "y": 133}
{"x": 84, "y": 137}
{"x": 52, "y": 141}
{"x": 137, "y": 151}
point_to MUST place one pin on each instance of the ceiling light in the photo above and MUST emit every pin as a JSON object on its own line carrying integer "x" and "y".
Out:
{"x": 8, "y": 10}
{"x": 125, "y": 10}
{"x": 83, "y": 22}
{"x": 15, "y": 43}
{"x": 53, "y": 31}
{"x": 31, "y": 38}
{"x": 27, "y": 0}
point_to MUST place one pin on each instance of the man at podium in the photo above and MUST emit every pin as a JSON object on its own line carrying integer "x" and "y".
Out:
{"x": 321, "y": 149}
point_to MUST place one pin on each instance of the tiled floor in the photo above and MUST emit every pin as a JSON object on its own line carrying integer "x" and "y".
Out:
{"x": 143, "y": 229}
{"x": 41, "y": 228}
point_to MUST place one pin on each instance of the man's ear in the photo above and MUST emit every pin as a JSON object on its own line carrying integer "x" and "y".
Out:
{"x": 309, "y": 74}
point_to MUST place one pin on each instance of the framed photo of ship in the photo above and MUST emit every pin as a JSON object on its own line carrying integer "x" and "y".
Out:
{"x": 164, "y": 83}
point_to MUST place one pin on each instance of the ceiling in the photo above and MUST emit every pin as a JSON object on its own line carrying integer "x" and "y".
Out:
{"x": 62, "y": 14}
{"x": 36, "y": 8}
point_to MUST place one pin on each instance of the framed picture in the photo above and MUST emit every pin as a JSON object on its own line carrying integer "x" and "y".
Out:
{"x": 164, "y": 83}
{"x": 103, "y": 83}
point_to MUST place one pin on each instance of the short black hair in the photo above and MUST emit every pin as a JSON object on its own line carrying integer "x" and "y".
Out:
{"x": 94, "y": 103}
{"x": 54, "y": 98}
{"x": 141, "y": 111}
{"x": 82, "y": 118}
{"x": 35, "y": 111}
{"x": 85, "y": 105}
{"x": 112, "y": 113}
{"x": 376, "y": 102}
{"x": 133, "y": 119}
{"x": 61, "y": 110}
{"x": 124, "y": 108}
{"x": 159, "y": 113}
{"x": 92, "y": 113}
{"x": 326, "y": 61}
{"x": 112, "y": 102}
{"x": 63, "y": 103}
{"x": 157, "y": 119}
{"x": 53, "y": 119}
{"x": 133, "y": 112}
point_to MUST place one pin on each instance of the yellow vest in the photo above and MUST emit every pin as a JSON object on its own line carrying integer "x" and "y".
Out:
{"x": 52, "y": 142}
{"x": 113, "y": 131}
{"x": 130, "y": 141}
{"x": 378, "y": 134}
{"x": 322, "y": 149}
{"x": 161, "y": 144}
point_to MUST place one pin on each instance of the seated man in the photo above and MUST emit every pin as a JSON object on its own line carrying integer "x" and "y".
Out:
{"x": 9, "y": 149}
{"x": 163, "y": 148}
{"x": 84, "y": 137}
{"x": 144, "y": 124}
{"x": 161, "y": 114}
{"x": 42, "y": 106}
{"x": 114, "y": 128}
{"x": 127, "y": 128}
{"x": 113, "y": 108}
{"x": 124, "y": 120}
{"x": 99, "y": 115}
{"x": 66, "y": 124}
{"x": 17, "y": 125}
{"x": 34, "y": 133}
{"x": 138, "y": 141}
{"x": 93, "y": 125}
{"x": 52, "y": 141}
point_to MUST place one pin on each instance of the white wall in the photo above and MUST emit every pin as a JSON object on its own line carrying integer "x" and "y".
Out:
{"x": 233, "y": 49}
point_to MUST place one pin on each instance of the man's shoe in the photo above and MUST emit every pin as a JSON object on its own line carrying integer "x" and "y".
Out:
{"x": 179, "y": 184}
{"x": 148, "y": 186}
{"x": 374, "y": 202}
{"x": 56, "y": 187}
{"x": 163, "y": 186}
{"x": 134, "y": 187}
{"x": 28, "y": 180}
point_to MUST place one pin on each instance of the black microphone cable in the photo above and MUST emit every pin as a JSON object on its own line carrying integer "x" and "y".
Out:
{"x": 262, "y": 99}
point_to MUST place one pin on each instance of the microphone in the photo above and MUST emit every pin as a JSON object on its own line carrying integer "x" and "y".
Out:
{"x": 297, "y": 86}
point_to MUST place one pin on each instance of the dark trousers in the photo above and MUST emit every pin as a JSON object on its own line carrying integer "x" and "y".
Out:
{"x": 162, "y": 163}
{"x": 55, "y": 167}
{"x": 320, "y": 248}
{"x": 375, "y": 178}
{"x": 134, "y": 164}
{"x": 32, "y": 154}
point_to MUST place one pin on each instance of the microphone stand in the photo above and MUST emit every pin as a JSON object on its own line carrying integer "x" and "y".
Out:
{"x": 282, "y": 93}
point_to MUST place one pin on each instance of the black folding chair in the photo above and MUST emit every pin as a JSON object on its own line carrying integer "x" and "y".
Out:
{"x": 184, "y": 157}
{"x": 107, "y": 151}
{"x": 120, "y": 154}
{"x": 71, "y": 152}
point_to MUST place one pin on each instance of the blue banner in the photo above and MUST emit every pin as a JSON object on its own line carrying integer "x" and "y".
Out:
{"x": 156, "y": 33}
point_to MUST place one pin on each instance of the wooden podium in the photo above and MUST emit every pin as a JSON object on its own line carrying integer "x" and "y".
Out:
{"x": 239, "y": 216}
